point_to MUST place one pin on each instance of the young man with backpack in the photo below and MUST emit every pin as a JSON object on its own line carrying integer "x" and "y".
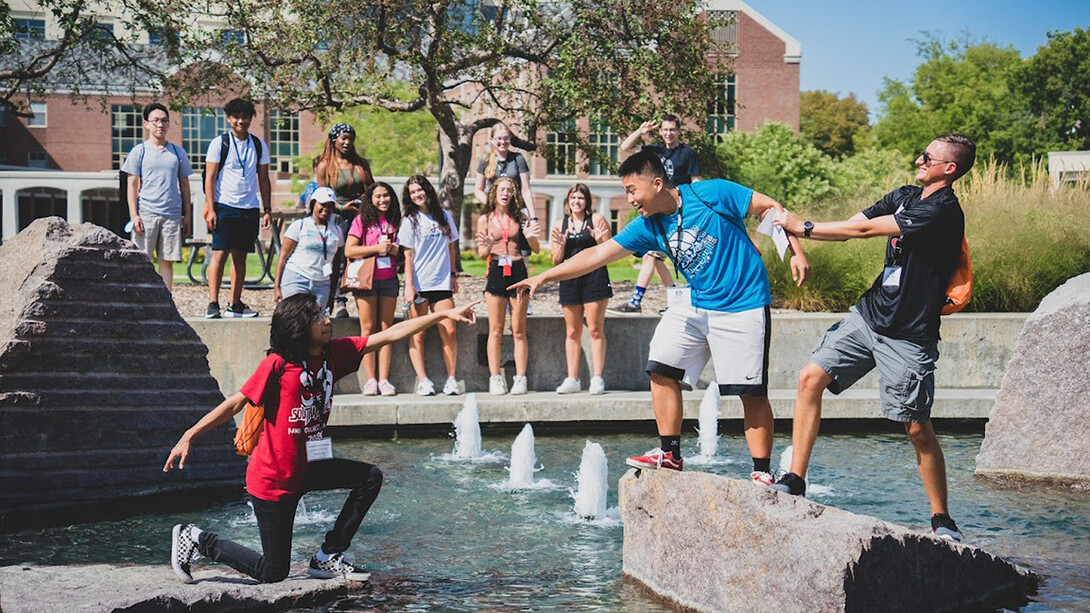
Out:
{"x": 895, "y": 325}
{"x": 158, "y": 194}
{"x": 723, "y": 315}
{"x": 236, "y": 170}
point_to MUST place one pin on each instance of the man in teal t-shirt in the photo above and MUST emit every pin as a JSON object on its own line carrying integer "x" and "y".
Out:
{"x": 723, "y": 315}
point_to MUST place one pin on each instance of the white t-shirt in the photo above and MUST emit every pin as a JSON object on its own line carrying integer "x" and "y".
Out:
{"x": 431, "y": 250}
{"x": 315, "y": 249}
{"x": 237, "y": 183}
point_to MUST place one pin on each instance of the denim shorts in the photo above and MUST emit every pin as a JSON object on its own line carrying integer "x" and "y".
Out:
{"x": 386, "y": 288}
{"x": 292, "y": 283}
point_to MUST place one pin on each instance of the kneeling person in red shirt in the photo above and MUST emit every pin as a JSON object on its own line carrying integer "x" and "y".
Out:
{"x": 293, "y": 456}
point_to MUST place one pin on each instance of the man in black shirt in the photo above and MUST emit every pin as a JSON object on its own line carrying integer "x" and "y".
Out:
{"x": 682, "y": 167}
{"x": 895, "y": 325}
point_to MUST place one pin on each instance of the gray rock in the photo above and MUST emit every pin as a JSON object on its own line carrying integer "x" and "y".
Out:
{"x": 711, "y": 543}
{"x": 1039, "y": 427}
{"x": 156, "y": 589}
{"x": 99, "y": 376}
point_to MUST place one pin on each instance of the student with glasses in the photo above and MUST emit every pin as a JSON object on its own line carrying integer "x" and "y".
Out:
{"x": 895, "y": 325}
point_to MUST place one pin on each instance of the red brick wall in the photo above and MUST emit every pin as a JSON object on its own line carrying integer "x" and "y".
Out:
{"x": 767, "y": 87}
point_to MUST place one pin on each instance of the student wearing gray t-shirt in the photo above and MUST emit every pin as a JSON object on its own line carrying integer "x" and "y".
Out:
{"x": 158, "y": 193}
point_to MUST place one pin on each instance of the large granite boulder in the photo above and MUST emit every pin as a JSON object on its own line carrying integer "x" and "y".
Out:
{"x": 710, "y": 543}
{"x": 99, "y": 376}
{"x": 156, "y": 589}
{"x": 1039, "y": 427}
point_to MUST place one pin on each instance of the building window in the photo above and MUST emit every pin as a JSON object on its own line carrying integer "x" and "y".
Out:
{"x": 158, "y": 37}
{"x": 724, "y": 32}
{"x": 237, "y": 37}
{"x": 104, "y": 30}
{"x": 29, "y": 29}
{"x": 36, "y": 158}
{"x": 605, "y": 142}
{"x": 721, "y": 109}
{"x": 126, "y": 131}
{"x": 199, "y": 126}
{"x": 283, "y": 140}
{"x": 561, "y": 150}
{"x": 38, "y": 118}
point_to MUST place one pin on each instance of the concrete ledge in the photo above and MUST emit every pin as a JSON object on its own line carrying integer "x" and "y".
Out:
{"x": 539, "y": 407}
{"x": 156, "y": 589}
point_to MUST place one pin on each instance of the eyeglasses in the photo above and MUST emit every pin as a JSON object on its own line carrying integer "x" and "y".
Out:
{"x": 159, "y": 122}
{"x": 319, "y": 316}
{"x": 928, "y": 160}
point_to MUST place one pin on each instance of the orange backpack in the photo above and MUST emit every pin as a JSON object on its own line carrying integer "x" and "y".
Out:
{"x": 960, "y": 288}
{"x": 249, "y": 429}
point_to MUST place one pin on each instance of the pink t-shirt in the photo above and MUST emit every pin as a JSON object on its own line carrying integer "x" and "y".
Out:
{"x": 385, "y": 267}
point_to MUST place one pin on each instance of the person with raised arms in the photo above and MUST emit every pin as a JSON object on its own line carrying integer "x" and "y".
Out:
{"x": 723, "y": 315}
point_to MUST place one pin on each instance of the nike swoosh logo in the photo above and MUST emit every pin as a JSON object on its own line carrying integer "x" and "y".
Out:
{"x": 753, "y": 378}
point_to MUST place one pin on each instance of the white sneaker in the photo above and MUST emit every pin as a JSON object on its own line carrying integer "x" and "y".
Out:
{"x": 518, "y": 385}
{"x": 386, "y": 388}
{"x": 425, "y": 388}
{"x": 597, "y": 385}
{"x": 568, "y": 386}
{"x": 496, "y": 385}
{"x": 183, "y": 551}
{"x": 370, "y": 388}
{"x": 762, "y": 478}
{"x": 450, "y": 388}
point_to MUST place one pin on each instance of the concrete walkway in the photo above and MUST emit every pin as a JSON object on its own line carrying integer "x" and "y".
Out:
{"x": 550, "y": 407}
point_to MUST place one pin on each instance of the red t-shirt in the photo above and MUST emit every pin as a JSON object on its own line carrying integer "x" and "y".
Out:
{"x": 297, "y": 405}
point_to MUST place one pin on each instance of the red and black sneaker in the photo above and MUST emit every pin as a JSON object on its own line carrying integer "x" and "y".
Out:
{"x": 655, "y": 459}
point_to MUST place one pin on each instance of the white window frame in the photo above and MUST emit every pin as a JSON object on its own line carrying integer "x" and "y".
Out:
{"x": 35, "y": 122}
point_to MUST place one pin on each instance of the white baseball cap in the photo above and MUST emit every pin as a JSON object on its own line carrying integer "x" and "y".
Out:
{"x": 323, "y": 195}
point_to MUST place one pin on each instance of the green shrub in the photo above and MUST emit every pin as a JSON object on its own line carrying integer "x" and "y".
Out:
{"x": 779, "y": 163}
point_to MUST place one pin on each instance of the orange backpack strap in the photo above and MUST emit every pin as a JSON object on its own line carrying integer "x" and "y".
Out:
{"x": 253, "y": 420}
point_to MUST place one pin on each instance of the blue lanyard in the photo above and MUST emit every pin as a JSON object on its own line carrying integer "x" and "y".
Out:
{"x": 677, "y": 239}
{"x": 238, "y": 156}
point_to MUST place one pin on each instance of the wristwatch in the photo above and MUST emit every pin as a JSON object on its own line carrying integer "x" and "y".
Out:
{"x": 807, "y": 228}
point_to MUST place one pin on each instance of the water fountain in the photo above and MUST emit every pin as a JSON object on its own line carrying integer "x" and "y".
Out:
{"x": 592, "y": 483}
{"x": 709, "y": 423}
{"x": 523, "y": 459}
{"x": 467, "y": 431}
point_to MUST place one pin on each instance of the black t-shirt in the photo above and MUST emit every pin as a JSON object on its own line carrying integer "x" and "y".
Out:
{"x": 923, "y": 257}
{"x": 681, "y": 162}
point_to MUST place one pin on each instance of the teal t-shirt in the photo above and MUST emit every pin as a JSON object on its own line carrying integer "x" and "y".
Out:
{"x": 714, "y": 252}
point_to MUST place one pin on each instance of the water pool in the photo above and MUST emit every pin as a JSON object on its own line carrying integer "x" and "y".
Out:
{"x": 447, "y": 535}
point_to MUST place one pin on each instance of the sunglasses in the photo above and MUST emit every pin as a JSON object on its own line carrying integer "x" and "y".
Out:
{"x": 318, "y": 316}
{"x": 928, "y": 160}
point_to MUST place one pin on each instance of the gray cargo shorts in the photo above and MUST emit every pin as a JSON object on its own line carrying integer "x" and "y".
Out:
{"x": 906, "y": 369}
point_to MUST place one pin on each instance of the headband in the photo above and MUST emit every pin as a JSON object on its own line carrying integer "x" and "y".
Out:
{"x": 339, "y": 129}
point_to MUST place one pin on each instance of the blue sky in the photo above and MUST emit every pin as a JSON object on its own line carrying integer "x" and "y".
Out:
{"x": 849, "y": 46}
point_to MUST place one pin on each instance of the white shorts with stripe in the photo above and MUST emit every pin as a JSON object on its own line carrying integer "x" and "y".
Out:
{"x": 737, "y": 344}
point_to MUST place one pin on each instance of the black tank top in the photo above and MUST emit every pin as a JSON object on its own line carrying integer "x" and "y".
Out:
{"x": 577, "y": 241}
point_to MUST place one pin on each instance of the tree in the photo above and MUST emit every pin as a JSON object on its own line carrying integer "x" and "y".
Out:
{"x": 960, "y": 87}
{"x": 833, "y": 124}
{"x": 1056, "y": 84}
{"x": 88, "y": 57}
{"x": 533, "y": 64}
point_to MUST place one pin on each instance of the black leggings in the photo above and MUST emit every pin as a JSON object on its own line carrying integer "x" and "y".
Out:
{"x": 275, "y": 520}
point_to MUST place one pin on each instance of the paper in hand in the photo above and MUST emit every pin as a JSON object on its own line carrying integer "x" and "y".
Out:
{"x": 779, "y": 237}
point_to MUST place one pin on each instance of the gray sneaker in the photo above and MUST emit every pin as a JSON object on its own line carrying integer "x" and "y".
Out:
{"x": 183, "y": 551}
{"x": 943, "y": 527}
{"x": 213, "y": 311}
{"x": 337, "y": 566}
{"x": 790, "y": 484}
{"x": 239, "y": 309}
{"x": 626, "y": 309}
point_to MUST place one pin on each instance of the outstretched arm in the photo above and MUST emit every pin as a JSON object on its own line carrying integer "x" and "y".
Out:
{"x": 761, "y": 205}
{"x": 409, "y": 327}
{"x": 226, "y": 410}
{"x": 577, "y": 266}
{"x": 856, "y": 227}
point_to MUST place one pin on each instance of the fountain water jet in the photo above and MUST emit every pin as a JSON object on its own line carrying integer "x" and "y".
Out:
{"x": 709, "y": 423}
{"x": 523, "y": 459}
{"x": 592, "y": 483}
{"x": 467, "y": 431}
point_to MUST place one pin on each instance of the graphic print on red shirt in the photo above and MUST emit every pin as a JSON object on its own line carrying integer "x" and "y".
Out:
{"x": 297, "y": 406}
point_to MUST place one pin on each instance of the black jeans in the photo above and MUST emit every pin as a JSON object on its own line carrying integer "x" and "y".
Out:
{"x": 275, "y": 520}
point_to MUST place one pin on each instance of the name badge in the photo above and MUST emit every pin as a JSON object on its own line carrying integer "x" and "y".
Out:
{"x": 327, "y": 270}
{"x": 383, "y": 262}
{"x": 679, "y": 295}
{"x": 320, "y": 449}
{"x": 505, "y": 261}
{"x": 891, "y": 277}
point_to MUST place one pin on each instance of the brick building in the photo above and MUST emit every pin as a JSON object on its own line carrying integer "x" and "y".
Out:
{"x": 73, "y": 136}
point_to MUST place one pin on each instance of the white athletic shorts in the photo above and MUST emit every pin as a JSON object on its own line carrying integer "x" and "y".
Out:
{"x": 737, "y": 344}
{"x": 162, "y": 235}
